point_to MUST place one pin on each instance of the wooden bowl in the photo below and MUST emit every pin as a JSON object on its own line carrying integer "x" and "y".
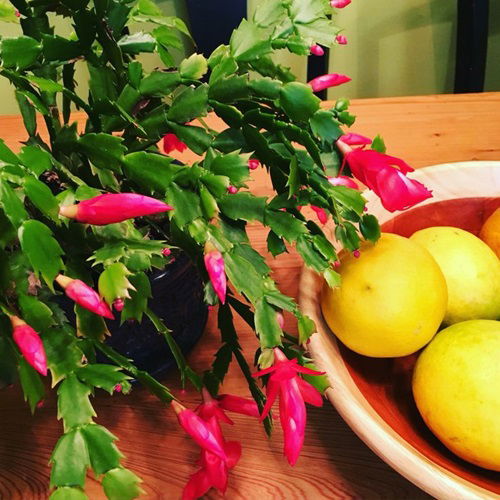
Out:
{"x": 374, "y": 395}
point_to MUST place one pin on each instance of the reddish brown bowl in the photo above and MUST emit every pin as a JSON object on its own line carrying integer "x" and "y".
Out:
{"x": 374, "y": 395}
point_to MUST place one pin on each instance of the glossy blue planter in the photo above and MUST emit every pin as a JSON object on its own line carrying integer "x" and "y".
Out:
{"x": 178, "y": 300}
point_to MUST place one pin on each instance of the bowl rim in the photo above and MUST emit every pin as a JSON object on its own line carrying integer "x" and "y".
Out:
{"x": 349, "y": 401}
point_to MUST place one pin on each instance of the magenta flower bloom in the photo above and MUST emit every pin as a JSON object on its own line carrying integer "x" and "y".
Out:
{"x": 321, "y": 214}
{"x": 172, "y": 143}
{"x": 214, "y": 469}
{"x": 293, "y": 393}
{"x": 341, "y": 40}
{"x": 339, "y": 4}
{"x": 326, "y": 81}
{"x": 237, "y": 404}
{"x": 110, "y": 208}
{"x": 355, "y": 139}
{"x": 214, "y": 263}
{"x": 30, "y": 344}
{"x": 378, "y": 171}
{"x": 84, "y": 296}
{"x": 317, "y": 50}
{"x": 199, "y": 431}
{"x": 253, "y": 164}
{"x": 342, "y": 180}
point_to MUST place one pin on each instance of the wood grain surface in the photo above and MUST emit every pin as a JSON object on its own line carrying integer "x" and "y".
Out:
{"x": 334, "y": 464}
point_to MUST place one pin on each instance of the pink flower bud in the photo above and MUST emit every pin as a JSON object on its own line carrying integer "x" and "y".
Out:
{"x": 339, "y": 4}
{"x": 321, "y": 214}
{"x": 356, "y": 254}
{"x": 119, "y": 304}
{"x": 232, "y": 189}
{"x": 214, "y": 263}
{"x": 355, "y": 139}
{"x": 30, "y": 344}
{"x": 237, "y": 404}
{"x": 336, "y": 263}
{"x": 84, "y": 296}
{"x": 110, "y": 208}
{"x": 253, "y": 164}
{"x": 40, "y": 403}
{"x": 211, "y": 308}
{"x": 118, "y": 388}
{"x": 343, "y": 180}
{"x": 172, "y": 143}
{"x": 317, "y": 50}
{"x": 17, "y": 13}
{"x": 341, "y": 40}
{"x": 166, "y": 252}
{"x": 326, "y": 81}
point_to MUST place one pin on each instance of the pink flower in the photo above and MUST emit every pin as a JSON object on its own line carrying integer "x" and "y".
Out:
{"x": 342, "y": 180}
{"x": 321, "y": 214}
{"x": 293, "y": 392}
{"x": 317, "y": 50}
{"x": 237, "y": 404}
{"x": 339, "y": 4}
{"x": 253, "y": 164}
{"x": 395, "y": 190}
{"x": 214, "y": 263}
{"x": 214, "y": 469}
{"x": 166, "y": 252}
{"x": 355, "y": 139}
{"x": 326, "y": 81}
{"x": 341, "y": 40}
{"x": 30, "y": 344}
{"x": 356, "y": 254}
{"x": 198, "y": 430}
{"x": 84, "y": 296}
{"x": 118, "y": 304}
{"x": 172, "y": 143}
{"x": 110, "y": 208}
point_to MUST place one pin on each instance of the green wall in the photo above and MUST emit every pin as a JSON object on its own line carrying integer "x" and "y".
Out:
{"x": 395, "y": 48}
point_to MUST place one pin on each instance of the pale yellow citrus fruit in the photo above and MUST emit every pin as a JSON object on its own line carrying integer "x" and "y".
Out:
{"x": 391, "y": 300}
{"x": 490, "y": 232}
{"x": 471, "y": 269}
{"x": 455, "y": 386}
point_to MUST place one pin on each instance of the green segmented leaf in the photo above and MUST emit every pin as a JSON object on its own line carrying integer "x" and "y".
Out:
{"x": 306, "y": 328}
{"x": 31, "y": 383}
{"x": 298, "y": 101}
{"x": 73, "y": 404}
{"x": 41, "y": 196}
{"x": 103, "y": 453}
{"x": 114, "y": 284}
{"x": 35, "y": 159}
{"x": 266, "y": 325}
{"x": 70, "y": 460}
{"x": 121, "y": 484}
{"x": 68, "y": 493}
{"x": 35, "y": 312}
{"x": 12, "y": 206}
{"x": 63, "y": 353}
{"x": 20, "y": 52}
{"x": 138, "y": 303}
{"x": 42, "y": 249}
{"x": 189, "y": 104}
{"x": 194, "y": 67}
{"x": 248, "y": 42}
{"x": 369, "y": 227}
{"x": 103, "y": 376}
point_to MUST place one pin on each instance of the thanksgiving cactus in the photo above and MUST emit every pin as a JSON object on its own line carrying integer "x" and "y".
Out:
{"x": 91, "y": 210}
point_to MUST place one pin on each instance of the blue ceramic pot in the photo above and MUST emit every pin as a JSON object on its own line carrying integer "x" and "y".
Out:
{"x": 178, "y": 300}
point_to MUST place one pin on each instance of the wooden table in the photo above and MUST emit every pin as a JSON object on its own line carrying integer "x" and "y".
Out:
{"x": 334, "y": 463}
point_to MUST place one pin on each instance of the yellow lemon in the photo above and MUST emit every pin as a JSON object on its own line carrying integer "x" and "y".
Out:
{"x": 455, "y": 386}
{"x": 471, "y": 269}
{"x": 391, "y": 300}
{"x": 490, "y": 232}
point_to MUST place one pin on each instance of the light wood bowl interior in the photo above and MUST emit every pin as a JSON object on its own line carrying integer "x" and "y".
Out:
{"x": 374, "y": 395}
